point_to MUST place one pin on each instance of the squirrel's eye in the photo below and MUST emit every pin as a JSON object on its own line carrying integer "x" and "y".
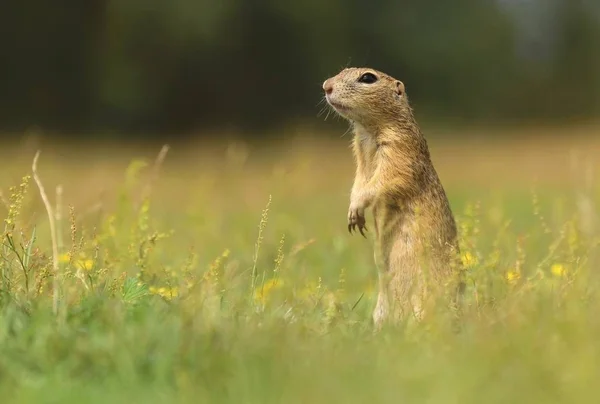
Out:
{"x": 367, "y": 78}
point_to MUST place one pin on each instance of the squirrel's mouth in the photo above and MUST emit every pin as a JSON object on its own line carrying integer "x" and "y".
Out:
{"x": 337, "y": 106}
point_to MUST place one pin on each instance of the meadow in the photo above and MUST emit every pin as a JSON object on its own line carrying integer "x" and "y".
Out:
{"x": 225, "y": 273}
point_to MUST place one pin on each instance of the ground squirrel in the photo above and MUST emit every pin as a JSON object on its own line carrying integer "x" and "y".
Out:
{"x": 415, "y": 231}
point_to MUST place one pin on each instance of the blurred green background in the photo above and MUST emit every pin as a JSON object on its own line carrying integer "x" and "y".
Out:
{"x": 153, "y": 67}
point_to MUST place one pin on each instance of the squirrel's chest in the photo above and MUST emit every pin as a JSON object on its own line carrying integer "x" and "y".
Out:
{"x": 365, "y": 148}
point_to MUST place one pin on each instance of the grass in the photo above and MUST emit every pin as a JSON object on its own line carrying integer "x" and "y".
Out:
{"x": 226, "y": 274}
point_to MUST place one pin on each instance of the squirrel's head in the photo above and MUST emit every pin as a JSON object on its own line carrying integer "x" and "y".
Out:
{"x": 367, "y": 96}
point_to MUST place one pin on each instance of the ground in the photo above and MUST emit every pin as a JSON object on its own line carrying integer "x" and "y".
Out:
{"x": 226, "y": 273}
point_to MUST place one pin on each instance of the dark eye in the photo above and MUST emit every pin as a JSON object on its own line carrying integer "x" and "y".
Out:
{"x": 367, "y": 78}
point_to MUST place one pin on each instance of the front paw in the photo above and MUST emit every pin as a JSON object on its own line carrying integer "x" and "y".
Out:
{"x": 356, "y": 218}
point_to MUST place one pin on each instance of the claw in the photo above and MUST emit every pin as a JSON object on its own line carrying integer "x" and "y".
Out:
{"x": 361, "y": 231}
{"x": 350, "y": 228}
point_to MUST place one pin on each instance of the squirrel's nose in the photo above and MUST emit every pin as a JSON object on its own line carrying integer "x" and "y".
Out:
{"x": 327, "y": 86}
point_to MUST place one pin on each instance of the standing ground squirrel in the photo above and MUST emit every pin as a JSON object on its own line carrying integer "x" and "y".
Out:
{"x": 416, "y": 247}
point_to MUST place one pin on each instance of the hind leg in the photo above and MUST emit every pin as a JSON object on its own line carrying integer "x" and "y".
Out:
{"x": 381, "y": 311}
{"x": 404, "y": 286}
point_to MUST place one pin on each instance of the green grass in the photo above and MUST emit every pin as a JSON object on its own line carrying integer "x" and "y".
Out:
{"x": 236, "y": 281}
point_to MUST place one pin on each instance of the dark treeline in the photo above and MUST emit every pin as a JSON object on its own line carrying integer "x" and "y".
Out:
{"x": 174, "y": 66}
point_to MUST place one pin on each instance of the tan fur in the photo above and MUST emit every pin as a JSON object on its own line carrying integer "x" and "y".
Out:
{"x": 415, "y": 232}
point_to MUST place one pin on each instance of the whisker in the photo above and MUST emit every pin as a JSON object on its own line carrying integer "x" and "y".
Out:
{"x": 346, "y": 132}
{"x": 321, "y": 111}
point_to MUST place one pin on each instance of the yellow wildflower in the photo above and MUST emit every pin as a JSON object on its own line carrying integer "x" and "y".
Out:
{"x": 170, "y": 293}
{"x": 558, "y": 270}
{"x": 64, "y": 258}
{"x": 85, "y": 264}
{"x": 82, "y": 262}
{"x": 468, "y": 259}
{"x": 165, "y": 293}
{"x": 261, "y": 294}
{"x": 512, "y": 276}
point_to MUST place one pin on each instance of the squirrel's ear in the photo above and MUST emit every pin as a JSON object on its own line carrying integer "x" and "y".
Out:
{"x": 399, "y": 87}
